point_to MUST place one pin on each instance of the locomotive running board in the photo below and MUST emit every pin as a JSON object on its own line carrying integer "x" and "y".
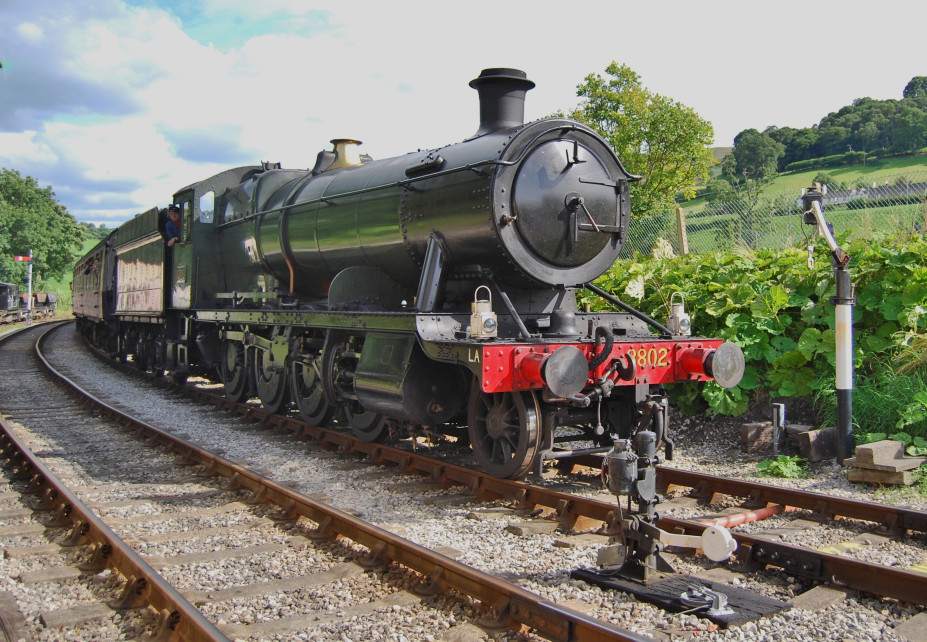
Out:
{"x": 667, "y": 594}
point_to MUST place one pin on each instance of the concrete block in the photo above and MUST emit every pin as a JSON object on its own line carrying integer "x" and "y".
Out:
{"x": 532, "y": 528}
{"x": 817, "y": 445}
{"x": 869, "y": 476}
{"x": 75, "y": 616}
{"x": 792, "y": 431}
{"x": 12, "y": 622}
{"x": 464, "y": 633}
{"x": 879, "y": 452}
{"x": 913, "y": 629}
{"x": 62, "y": 574}
{"x": 897, "y": 466}
{"x": 819, "y": 598}
{"x": 582, "y": 539}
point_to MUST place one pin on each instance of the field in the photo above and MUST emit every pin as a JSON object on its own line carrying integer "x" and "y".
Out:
{"x": 878, "y": 172}
{"x": 886, "y": 168}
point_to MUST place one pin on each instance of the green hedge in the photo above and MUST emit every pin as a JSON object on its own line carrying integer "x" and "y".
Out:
{"x": 837, "y": 160}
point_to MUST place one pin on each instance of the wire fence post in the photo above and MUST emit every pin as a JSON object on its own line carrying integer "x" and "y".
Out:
{"x": 681, "y": 230}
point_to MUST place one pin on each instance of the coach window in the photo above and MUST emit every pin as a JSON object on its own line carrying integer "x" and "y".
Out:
{"x": 207, "y": 206}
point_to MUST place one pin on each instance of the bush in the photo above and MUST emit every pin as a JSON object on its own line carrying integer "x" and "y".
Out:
{"x": 777, "y": 310}
{"x": 783, "y": 466}
{"x": 826, "y": 179}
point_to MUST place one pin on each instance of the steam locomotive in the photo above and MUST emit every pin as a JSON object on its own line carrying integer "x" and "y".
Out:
{"x": 433, "y": 290}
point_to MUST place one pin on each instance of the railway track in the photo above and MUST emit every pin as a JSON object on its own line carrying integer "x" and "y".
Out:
{"x": 572, "y": 512}
{"x": 512, "y": 607}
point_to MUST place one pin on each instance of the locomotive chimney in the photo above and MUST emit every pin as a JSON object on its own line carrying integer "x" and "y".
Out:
{"x": 502, "y": 98}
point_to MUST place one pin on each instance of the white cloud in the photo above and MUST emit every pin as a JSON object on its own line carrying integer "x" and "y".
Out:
{"x": 30, "y": 32}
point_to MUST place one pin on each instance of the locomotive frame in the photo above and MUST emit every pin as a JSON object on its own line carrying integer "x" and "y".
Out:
{"x": 436, "y": 289}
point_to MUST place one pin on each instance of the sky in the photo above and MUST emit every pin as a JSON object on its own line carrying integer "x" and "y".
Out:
{"x": 117, "y": 104}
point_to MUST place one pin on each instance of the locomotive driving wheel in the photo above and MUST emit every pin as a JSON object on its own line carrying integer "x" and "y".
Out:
{"x": 309, "y": 393}
{"x": 369, "y": 426}
{"x": 504, "y": 431}
{"x": 339, "y": 361}
{"x": 233, "y": 370}
{"x": 270, "y": 378}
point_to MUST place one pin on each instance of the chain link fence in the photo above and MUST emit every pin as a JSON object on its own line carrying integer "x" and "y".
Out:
{"x": 872, "y": 208}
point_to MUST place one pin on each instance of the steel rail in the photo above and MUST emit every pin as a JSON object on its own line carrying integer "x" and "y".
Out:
{"x": 893, "y": 519}
{"x": 890, "y": 517}
{"x": 178, "y": 617}
{"x": 847, "y": 572}
{"x": 513, "y": 606}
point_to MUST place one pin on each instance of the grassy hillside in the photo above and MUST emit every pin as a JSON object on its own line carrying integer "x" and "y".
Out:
{"x": 772, "y": 222}
{"x": 878, "y": 172}
{"x": 885, "y": 168}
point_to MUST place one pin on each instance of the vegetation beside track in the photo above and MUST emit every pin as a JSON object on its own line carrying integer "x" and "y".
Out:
{"x": 777, "y": 309}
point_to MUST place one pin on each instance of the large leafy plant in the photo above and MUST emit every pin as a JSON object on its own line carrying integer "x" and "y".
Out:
{"x": 777, "y": 309}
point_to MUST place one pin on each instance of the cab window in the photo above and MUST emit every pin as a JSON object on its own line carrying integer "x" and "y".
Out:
{"x": 207, "y": 206}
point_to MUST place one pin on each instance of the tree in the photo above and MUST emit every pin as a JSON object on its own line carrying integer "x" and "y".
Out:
{"x": 909, "y": 131}
{"x": 91, "y": 231}
{"x": 799, "y": 143}
{"x": 655, "y": 136}
{"x": 719, "y": 192}
{"x": 867, "y": 136}
{"x": 751, "y": 165}
{"x": 827, "y": 179}
{"x": 755, "y": 158}
{"x": 833, "y": 140}
{"x": 916, "y": 87}
{"x": 32, "y": 219}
